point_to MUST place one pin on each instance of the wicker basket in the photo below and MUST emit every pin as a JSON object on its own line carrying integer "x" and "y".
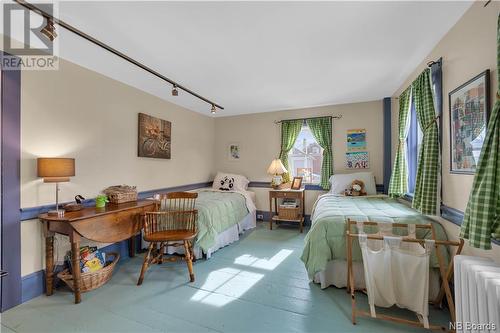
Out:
{"x": 92, "y": 280}
{"x": 121, "y": 193}
{"x": 288, "y": 213}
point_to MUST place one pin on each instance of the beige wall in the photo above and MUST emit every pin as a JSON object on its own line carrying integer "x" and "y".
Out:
{"x": 467, "y": 49}
{"x": 259, "y": 140}
{"x": 74, "y": 112}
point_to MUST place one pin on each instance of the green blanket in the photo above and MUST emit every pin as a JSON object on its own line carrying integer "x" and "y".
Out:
{"x": 326, "y": 239}
{"x": 217, "y": 211}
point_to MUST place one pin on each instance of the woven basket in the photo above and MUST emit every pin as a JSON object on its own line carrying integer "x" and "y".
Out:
{"x": 288, "y": 213}
{"x": 92, "y": 280}
{"x": 121, "y": 193}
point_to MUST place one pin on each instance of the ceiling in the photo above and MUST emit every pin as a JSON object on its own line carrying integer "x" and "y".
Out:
{"x": 260, "y": 56}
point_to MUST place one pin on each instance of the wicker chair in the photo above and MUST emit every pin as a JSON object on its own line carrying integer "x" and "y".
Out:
{"x": 173, "y": 225}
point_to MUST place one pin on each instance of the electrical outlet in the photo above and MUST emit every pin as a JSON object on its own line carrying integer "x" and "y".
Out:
{"x": 260, "y": 216}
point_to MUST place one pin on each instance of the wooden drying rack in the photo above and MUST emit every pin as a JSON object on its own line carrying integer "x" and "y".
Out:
{"x": 446, "y": 275}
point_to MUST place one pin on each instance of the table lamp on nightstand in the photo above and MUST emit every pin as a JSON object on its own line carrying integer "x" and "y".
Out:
{"x": 276, "y": 169}
{"x": 56, "y": 170}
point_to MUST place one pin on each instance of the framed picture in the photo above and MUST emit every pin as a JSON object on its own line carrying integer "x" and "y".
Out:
{"x": 356, "y": 139}
{"x": 154, "y": 138}
{"x": 296, "y": 183}
{"x": 469, "y": 112}
{"x": 357, "y": 160}
{"x": 234, "y": 152}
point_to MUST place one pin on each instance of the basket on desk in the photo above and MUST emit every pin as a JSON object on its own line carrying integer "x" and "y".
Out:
{"x": 92, "y": 280}
{"x": 121, "y": 193}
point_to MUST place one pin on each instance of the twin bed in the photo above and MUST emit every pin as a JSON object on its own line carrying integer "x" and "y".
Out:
{"x": 225, "y": 211}
{"x": 324, "y": 253}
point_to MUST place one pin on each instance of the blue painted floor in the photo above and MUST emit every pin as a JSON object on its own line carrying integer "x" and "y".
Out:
{"x": 258, "y": 284}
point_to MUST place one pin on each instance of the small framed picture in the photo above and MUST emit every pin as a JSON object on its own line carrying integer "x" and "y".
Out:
{"x": 296, "y": 183}
{"x": 234, "y": 152}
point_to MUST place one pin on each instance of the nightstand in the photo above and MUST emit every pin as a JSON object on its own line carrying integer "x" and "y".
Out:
{"x": 283, "y": 213}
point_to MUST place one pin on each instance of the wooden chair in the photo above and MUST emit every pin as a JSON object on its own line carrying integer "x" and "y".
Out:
{"x": 173, "y": 225}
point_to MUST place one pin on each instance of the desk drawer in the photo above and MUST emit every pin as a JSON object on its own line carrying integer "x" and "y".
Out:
{"x": 293, "y": 195}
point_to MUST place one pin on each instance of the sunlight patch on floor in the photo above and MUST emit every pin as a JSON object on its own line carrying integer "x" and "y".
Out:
{"x": 224, "y": 285}
{"x": 267, "y": 264}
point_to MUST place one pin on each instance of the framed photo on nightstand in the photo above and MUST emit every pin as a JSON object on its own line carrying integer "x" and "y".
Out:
{"x": 296, "y": 183}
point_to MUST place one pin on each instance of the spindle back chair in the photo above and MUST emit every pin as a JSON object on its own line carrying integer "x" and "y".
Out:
{"x": 173, "y": 224}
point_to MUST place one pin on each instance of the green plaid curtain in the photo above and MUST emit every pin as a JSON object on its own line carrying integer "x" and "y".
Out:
{"x": 426, "y": 184}
{"x": 398, "y": 185}
{"x": 321, "y": 128}
{"x": 290, "y": 130}
{"x": 482, "y": 216}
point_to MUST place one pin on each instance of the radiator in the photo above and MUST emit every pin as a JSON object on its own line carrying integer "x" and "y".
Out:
{"x": 477, "y": 294}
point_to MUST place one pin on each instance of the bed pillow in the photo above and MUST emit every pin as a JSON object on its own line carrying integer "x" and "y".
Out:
{"x": 230, "y": 182}
{"x": 340, "y": 182}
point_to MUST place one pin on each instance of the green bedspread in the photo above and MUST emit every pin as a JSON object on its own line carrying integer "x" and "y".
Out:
{"x": 326, "y": 239}
{"x": 217, "y": 211}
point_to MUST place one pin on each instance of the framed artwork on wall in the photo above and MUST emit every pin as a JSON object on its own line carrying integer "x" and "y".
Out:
{"x": 154, "y": 139}
{"x": 234, "y": 152}
{"x": 469, "y": 107}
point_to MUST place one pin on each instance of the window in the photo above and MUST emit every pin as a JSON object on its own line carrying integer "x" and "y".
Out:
{"x": 413, "y": 143}
{"x": 306, "y": 157}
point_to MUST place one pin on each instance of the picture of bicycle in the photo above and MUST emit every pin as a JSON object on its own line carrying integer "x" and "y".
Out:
{"x": 154, "y": 137}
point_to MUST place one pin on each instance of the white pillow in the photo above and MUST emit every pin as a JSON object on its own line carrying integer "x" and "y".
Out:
{"x": 340, "y": 182}
{"x": 230, "y": 182}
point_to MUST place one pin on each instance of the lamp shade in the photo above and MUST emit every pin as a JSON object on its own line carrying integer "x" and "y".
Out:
{"x": 276, "y": 167}
{"x": 56, "y": 169}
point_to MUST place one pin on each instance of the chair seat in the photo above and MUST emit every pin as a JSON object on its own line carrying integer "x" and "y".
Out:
{"x": 170, "y": 235}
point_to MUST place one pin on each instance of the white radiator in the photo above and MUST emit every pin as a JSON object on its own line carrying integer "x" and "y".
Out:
{"x": 477, "y": 294}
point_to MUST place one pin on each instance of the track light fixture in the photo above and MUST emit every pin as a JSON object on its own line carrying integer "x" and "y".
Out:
{"x": 49, "y": 30}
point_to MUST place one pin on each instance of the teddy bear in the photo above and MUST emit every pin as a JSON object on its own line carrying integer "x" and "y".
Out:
{"x": 356, "y": 189}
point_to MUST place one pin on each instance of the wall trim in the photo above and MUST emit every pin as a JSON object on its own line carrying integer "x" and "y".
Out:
{"x": 10, "y": 229}
{"x": 33, "y": 212}
{"x": 387, "y": 142}
{"x": 308, "y": 187}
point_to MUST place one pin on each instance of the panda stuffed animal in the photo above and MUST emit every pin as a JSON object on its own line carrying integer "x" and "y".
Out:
{"x": 226, "y": 184}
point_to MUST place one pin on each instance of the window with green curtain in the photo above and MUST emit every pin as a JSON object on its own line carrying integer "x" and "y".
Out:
{"x": 426, "y": 184}
{"x": 321, "y": 129}
{"x": 290, "y": 130}
{"x": 398, "y": 185}
{"x": 482, "y": 215}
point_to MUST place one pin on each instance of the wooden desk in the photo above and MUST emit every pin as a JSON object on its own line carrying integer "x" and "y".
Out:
{"x": 286, "y": 193}
{"x": 114, "y": 223}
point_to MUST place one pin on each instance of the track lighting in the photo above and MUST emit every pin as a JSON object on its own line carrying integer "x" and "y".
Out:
{"x": 214, "y": 110}
{"x": 49, "y": 30}
{"x": 175, "y": 92}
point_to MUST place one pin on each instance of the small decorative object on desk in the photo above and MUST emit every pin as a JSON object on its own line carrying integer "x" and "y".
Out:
{"x": 75, "y": 206}
{"x": 100, "y": 201}
{"x": 121, "y": 193}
